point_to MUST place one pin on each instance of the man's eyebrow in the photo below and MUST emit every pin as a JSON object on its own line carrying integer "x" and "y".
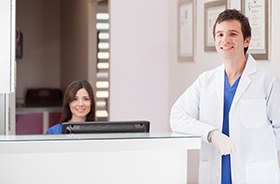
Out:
{"x": 233, "y": 30}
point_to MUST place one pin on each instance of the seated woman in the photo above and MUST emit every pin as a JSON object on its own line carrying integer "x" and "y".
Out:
{"x": 78, "y": 105}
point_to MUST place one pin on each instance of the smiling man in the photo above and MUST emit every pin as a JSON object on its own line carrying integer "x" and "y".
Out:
{"x": 234, "y": 108}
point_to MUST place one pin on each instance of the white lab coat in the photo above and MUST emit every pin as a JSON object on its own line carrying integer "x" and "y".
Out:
{"x": 254, "y": 123}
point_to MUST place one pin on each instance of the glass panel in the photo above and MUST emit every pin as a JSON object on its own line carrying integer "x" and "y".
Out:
{"x": 102, "y": 84}
{"x": 69, "y": 137}
{"x": 103, "y": 55}
{"x": 103, "y": 65}
{"x": 103, "y": 45}
{"x": 102, "y": 16}
{"x": 101, "y": 104}
{"x": 102, "y": 75}
{"x": 103, "y": 35}
{"x": 102, "y": 26}
{"x": 102, "y": 94}
{"x": 101, "y": 113}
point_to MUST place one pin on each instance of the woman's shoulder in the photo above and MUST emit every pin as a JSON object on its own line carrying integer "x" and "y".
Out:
{"x": 56, "y": 129}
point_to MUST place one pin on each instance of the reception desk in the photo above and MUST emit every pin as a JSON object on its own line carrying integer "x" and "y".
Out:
{"x": 141, "y": 158}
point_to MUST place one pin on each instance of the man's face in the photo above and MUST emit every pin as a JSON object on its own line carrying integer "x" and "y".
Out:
{"x": 229, "y": 40}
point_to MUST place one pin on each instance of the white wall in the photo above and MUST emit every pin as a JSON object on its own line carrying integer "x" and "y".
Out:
{"x": 139, "y": 61}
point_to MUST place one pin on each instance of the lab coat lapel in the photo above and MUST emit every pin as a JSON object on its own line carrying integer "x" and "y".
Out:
{"x": 220, "y": 85}
{"x": 245, "y": 80}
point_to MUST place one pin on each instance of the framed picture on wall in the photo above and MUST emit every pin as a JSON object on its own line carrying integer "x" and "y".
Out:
{"x": 186, "y": 30}
{"x": 211, "y": 12}
{"x": 259, "y": 17}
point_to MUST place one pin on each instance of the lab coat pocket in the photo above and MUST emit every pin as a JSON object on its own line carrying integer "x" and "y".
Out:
{"x": 253, "y": 113}
{"x": 262, "y": 172}
{"x": 204, "y": 172}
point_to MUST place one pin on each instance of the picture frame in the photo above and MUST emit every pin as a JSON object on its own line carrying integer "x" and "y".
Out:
{"x": 186, "y": 30}
{"x": 211, "y": 12}
{"x": 258, "y": 13}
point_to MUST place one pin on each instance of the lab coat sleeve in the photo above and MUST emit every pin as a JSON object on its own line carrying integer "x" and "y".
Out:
{"x": 273, "y": 104}
{"x": 184, "y": 116}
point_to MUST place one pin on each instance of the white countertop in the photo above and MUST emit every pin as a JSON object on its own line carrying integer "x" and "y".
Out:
{"x": 106, "y": 136}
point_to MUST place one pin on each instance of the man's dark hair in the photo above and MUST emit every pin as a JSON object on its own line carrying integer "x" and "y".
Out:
{"x": 233, "y": 14}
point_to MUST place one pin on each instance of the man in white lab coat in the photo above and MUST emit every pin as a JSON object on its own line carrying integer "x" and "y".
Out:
{"x": 235, "y": 109}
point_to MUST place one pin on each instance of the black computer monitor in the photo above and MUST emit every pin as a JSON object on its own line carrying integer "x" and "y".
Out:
{"x": 106, "y": 127}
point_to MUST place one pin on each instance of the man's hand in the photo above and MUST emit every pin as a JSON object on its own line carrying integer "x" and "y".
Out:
{"x": 223, "y": 143}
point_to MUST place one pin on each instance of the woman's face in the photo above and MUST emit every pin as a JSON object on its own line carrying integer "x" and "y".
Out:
{"x": 80, "y": 106}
